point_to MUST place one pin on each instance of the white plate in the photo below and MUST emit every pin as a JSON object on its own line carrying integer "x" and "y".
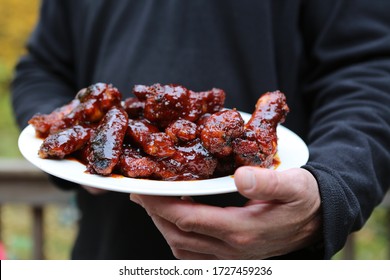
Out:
{"x": 292, "y": 152}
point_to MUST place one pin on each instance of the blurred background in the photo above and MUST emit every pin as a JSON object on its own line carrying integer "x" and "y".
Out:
{"x": 39, "y": 222}
{"x": 32, "y": 224}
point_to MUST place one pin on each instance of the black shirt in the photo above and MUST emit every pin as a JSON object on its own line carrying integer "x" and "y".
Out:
{"x": 331, "y": 58}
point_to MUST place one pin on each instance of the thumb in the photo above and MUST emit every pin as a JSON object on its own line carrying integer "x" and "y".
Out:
{"x": 266, "y": 184}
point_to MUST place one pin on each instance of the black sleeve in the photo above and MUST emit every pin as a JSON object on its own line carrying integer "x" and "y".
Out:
{"x": 348, "y": 86}
{"x": 44, "y": 76}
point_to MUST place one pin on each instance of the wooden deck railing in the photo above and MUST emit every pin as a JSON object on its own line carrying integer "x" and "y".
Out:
{"x": 20, "y": 182}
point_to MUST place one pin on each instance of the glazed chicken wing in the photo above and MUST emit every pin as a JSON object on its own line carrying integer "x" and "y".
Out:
{"x": 93, "y": 102}
{"x": 167, "y": 103}
{"x": 258, "y": 145}
{"x": 200, "y": 103}
{"x": 148, "y": 137}
{"x": 163, "y": 103}
{"x": 182, "y": 130}
{"x": 138, "y": 131}
{"x": 106, "y": 142}
{"x": 134, "y": 107}
{"x": 42, "y": 123}
{"x": 134, "y": 164}
{"x": 220, "y": 130}
{"x": 159, "y": 145}
{"x": 64, "y": 142}
{"x": 89, "y": 106}
{"x": 191, "y": 161}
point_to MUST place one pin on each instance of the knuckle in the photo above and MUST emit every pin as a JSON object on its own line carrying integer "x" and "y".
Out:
{"x": 272, "y": 184}
{"x": 186, "y": 223}
{"x": 175, "y": 244}
{"x": 241, "y": 241}
{"x": 177, "y": 253}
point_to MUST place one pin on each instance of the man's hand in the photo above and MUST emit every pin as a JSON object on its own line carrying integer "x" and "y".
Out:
{"x": 94, "y": 191}
{"x": 282, "y": 215}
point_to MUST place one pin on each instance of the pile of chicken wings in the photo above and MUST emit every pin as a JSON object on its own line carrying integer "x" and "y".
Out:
{"x": 165, "y": 132}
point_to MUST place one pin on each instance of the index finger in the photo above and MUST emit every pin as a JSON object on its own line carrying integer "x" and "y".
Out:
{"x": 190, "y": 216}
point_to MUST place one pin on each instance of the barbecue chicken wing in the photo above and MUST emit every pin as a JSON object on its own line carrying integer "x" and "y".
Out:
{"x": 42, "y": 123}
{"x": 134, "y": 164}
{"x": 182, "y": 130}
{"x": 220, "y": 129}
{"x": 134, "y": 107}
{"x": 64, "y": 142}
{"x": 258, "y": 145}
{"x": 138, "y": 131}
{"x": 167, "y": 103}
{"x": 106, "y": 143}
{"x": 89, "y": 106}
{"x": 191, "y": 161}
{"x": 94, "y": 102}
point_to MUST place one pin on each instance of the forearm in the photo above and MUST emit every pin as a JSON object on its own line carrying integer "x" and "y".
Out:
{"x": 348, "y": 86}
{"x": 44, "y": 77}
{"x": 35, "y": 90}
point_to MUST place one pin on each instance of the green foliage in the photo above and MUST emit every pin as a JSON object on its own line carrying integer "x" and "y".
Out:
{"x": 8, "y": 130}
{"x": 59, "y": 231}
{"x": 17, "y": 19}
{"x": 16, "y": 22}
{"x": 374, "y": 240}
